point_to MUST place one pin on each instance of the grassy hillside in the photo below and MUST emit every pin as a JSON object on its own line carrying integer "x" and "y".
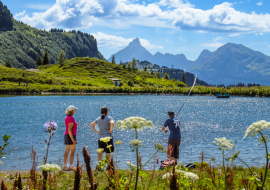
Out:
{"x": 22, "y": 46}
{"x": 87, "y": 74}
{"x": 92, "y": 75}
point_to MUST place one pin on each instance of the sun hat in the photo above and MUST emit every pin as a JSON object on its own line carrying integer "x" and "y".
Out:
{"x": 170, "y": 112}
{"x": 71, "y": 107}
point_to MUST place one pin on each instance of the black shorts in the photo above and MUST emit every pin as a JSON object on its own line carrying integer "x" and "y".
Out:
{"x": 173, "y": 148}
{"x": 68, "y": 140}
{"x": 104, "y": 146}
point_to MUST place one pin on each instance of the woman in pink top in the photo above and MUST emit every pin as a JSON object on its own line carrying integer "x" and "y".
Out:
{"x": 70, "y": 137}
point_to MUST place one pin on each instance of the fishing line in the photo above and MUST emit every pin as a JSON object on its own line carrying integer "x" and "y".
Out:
{"x": 187, "y": 96}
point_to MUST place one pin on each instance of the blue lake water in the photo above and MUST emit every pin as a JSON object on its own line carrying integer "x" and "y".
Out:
{"x": 202, "y": 120}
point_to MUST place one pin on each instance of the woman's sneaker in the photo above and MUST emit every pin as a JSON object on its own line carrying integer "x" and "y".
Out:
{"x": 65, "y": 168}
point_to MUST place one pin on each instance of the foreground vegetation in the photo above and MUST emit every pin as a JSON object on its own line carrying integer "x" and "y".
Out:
{"x": 88, "y": 75}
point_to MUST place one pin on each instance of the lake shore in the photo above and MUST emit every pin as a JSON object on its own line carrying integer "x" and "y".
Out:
{"x": 110, "y": 93}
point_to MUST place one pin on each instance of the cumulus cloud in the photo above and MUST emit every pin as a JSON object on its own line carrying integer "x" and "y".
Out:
{"x": 259, "y": 3}
{"x": 82, "y": 14}
{"x": 118, "y": 42}
{"x": 215, "y": 45}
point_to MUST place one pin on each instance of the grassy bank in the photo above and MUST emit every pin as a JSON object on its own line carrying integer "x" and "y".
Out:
{"x": 208, "y": 178}
{"x": 89, "y": 75}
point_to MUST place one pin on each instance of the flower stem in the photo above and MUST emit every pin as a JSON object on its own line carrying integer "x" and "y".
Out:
{"x": 267, "y": 159}
{"x": 137, "y": 174}
{"x": 48, "y": 144}
{"x": 150, "y": 158}
{"x": 246, "y": 165}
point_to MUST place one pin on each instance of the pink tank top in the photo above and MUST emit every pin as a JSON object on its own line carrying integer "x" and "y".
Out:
{"x": 70, "y": 119}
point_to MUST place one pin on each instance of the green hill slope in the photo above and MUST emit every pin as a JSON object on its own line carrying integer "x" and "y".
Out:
{"x": 79, "y": 73}
{"x": 22, "y": 46}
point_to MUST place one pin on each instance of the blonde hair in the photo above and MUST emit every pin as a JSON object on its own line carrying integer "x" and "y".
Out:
{"x": 70, "y": 113}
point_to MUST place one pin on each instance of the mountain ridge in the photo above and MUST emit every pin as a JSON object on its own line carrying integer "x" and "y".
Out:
{"x": 229, "y": 64}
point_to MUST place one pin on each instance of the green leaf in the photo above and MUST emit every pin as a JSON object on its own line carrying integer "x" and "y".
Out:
{"x": 6, "y": 137}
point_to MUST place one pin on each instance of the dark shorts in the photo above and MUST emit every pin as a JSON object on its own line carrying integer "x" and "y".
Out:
{"x": 173, "y": 148}
{"x": 68, "y": 140}
{"x": 104, "y": 146}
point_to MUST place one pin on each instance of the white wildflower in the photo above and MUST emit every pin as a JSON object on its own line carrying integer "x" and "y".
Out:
{"x": 100, "y": 150}
{"x": 105, "y": 139}
{"x": 166, "y": 176}
{"x": 191, "y": 175}
{"x": 49, "y": 167}
{"x": 135, "y": 142}
{"x": 118, "y": 142}
{"x": 224, "y": 143}
{"x": 138, "y": 123}
{"x": 256, "y": 127}
{"x": 131, "y": 165}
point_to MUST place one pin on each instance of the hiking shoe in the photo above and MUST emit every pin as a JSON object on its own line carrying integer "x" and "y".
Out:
{"x": 71, "y": 168}
{"x": 65, "y": 168}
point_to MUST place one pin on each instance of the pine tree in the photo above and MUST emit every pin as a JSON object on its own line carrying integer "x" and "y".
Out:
{"x": 158, "y": 74}
{"x": 133, "y": 63}
{"x": 166, "y": 75}
{"x": 46, "y": 59}
{"x": 121, "y": 63}
{"x": 7, "y": 64}
{"x": 113, "y": 60}
{"x": 184, "y": 79}
{"x": 152, "y": 72}
{"x": 62, "y": 57}
{"x": 39, "y": 61}
{"x": 145, "y": 68}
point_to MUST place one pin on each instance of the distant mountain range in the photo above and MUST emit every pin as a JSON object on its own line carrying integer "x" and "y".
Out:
{"x": 229, "y": 64}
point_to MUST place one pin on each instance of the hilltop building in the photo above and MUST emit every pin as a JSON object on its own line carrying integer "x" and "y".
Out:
{"x": 116, "y": 81}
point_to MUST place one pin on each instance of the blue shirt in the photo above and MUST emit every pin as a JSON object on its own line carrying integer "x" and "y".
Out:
{"x": 174, "y": 126}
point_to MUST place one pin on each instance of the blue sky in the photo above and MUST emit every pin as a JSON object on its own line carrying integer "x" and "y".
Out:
{"x": 167, "y": 26}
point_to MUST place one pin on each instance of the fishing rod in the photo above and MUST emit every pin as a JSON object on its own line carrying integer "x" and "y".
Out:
{"x": 187, "y": 96}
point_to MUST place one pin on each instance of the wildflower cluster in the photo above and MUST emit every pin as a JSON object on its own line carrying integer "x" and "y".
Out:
{"x": 105, "y": 139}
{"x": 256, "y": 127}
{"x": 131, "y": 165}
{"x": 100, "y": 150}
{"x": 49, "y": 167}
{"x": 223, "y": 143}
{"x": 133, "y": 123}
{"x": 50, "y": 126}
{"x": 135, "y": 142}
{"x": 118, "y": 142}
{"x": 188, "y": 175}
{"x": 234, "y": 156}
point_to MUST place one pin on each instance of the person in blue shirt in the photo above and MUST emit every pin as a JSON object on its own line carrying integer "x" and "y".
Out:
{"x": 175, "y": 136}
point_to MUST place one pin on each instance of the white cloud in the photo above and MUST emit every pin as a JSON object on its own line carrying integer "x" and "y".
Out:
{"x": 217, "y": 39}
{"x": 269, "y": 46}
{"x": 118, "y": 42}
{"x": 19, "y": 15}
{"x": 259, "y": 34}
{"x": 232, "y": 35}
{"x": 241, "y": 2}
{"x": 259, "y": 3}
{"x": 215, "y": 45}
{"x": 42, "y": 7}
{"x": 179, "y": 14}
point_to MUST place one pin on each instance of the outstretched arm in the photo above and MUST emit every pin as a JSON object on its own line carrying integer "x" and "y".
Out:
{"x": 164, "y": 129}
{"x": 92, "y": 125}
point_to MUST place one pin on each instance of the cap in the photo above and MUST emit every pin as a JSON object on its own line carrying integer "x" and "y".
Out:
{"x": 170, "y": 112}
{"x": 71, "y": 107}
